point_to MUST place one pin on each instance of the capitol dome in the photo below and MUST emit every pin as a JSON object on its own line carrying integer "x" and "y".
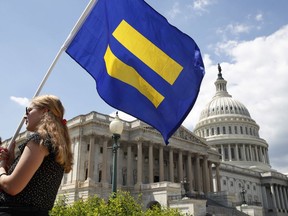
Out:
{"x": 223, "y": 106}
{"x": 226, "y": 124}
{"x": 223, "y": 103}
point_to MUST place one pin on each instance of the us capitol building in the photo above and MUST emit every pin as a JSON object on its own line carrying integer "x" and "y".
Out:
{"x": 222, "y": 168}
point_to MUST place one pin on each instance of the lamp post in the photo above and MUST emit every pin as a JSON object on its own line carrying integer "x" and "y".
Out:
{"x": 116, "y": 128}
{"x": 243, "y": 195}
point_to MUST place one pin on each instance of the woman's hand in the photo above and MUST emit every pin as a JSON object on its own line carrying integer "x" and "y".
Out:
{"x": 7, "y": 156}
{"x": 4, "y": 154}
{"x": 29, "y": 162}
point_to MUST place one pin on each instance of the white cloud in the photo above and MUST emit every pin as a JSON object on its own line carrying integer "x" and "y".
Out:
{"x": 259, "y": 17}
{"x": 235, "y": 29}
{"x": 21, "y": 101}
{"x": 225, "y": 47}
{"x": 258, "y": 78}
{"x": 174, "y": 11}
{"x": 201, "y": 5}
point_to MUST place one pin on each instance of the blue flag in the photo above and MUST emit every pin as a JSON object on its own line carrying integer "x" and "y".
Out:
{"x": 142, "y": 65}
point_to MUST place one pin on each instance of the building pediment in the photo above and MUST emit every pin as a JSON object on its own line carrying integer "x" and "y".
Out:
{"x": 188, "y": 135}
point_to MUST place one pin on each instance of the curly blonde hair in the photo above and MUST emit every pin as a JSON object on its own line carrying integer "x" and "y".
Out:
{"x": 52, "y": 125}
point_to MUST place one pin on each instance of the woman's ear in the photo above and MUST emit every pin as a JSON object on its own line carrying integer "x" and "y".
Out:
{"x": 45, "y": 110}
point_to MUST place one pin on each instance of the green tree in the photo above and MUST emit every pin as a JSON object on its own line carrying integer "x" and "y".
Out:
{"x": 122, "y": 205}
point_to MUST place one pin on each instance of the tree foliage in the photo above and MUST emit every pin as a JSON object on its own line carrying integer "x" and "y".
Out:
{"x": 122, "y": 205}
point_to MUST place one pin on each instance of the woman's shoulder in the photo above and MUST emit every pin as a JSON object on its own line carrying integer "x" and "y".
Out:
{"x": 35, "y": 137}
{"x": 45, "y": 141}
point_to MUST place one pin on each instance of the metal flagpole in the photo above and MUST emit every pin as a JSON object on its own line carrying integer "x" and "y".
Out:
{"x": 63, "y": 48}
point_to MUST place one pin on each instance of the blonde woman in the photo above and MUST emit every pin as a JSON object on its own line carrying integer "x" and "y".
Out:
{"x": 29, "y": 183}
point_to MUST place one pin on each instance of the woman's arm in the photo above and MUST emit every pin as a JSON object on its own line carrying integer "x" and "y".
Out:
{"x": 28, "y": 164}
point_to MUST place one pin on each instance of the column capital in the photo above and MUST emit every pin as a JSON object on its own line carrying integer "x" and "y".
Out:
{"x": 139, "y": 139}
{"x": 217, "y": 164}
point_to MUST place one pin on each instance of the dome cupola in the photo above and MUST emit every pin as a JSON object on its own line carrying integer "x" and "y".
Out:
{"x": 222, "y": 103}
{"x": 226, "y": 124}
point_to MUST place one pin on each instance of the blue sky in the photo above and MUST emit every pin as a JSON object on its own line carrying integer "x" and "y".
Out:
{"x": 249, "y": 39}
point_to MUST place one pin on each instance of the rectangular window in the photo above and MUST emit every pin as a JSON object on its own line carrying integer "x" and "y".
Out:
{"x": 232, "y": 153}
{"x": 226, "y": 153}
{"x": 239, "y": 153}
{"x": 235, "y": 128}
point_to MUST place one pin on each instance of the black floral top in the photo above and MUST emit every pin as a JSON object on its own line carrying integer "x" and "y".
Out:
{"x": 42, "y": 189}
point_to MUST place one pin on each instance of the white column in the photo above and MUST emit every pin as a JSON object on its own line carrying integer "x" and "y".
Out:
{"x": 278, "y": 204}
{"x": 218, "y": 177}
{"x": 285, "y": 198}
{"x": 281, "y": 196}
{"x": 210, "y": 189}
{"x": 273, "y": 196}
{"x": 119, "y": 166}
{"x": 73, "y": 175}
{"x": 91, "y": 158}
{"x": 267, "y": 156}
{"x": 180, "y": 166}
{"x": 264, "y": 196}
{"x": 237, "y": 152}
{"x": 161, "y": 164}
{"x": 151, "y": 160}
{"x": 171, "y": 165}
{"x": 129, "y": 166}
{"x": 256, "y": 153}
{"x": 222, "y": 152}
{"x": 139, "y": 163}
{"x": 229, "y": 152}
{"x": 205, "y": 175}
{"x": 251, "y": 153}
{"x": 189, "y": 167}
{"x": 197, "y": 173}
{"x": 244, "y": 153}
{"x": 261, "y": 154}
{"x": 104, "y": 162}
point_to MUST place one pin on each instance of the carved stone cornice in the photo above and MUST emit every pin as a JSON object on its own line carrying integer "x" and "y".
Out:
{"x": 185, "y": 134}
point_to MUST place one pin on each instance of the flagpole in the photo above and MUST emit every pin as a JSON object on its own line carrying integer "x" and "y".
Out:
{"x": 63, "y": 48}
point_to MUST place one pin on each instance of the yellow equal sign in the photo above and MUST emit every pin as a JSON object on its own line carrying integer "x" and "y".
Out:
{"x": 119, "y": 70}
{"x": 147, "y": 52}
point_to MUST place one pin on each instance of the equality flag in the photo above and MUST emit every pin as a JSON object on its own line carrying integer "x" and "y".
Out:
{"x": 142, "y": 65}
